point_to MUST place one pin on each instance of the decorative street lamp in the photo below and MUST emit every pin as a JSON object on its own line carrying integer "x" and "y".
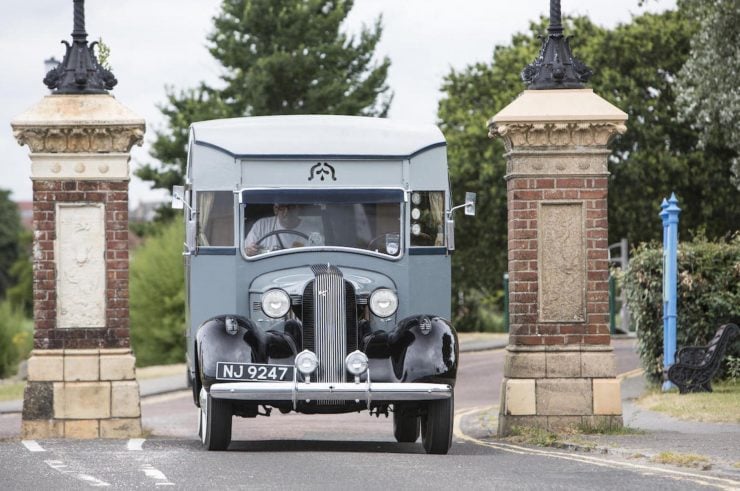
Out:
{"x": 556, "y": 67}
{"x": 79, "y": 72}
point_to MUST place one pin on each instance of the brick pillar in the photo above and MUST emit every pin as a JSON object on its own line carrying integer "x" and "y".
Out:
{"x": 81, "y": 376}
{"x": 559, "y": 368}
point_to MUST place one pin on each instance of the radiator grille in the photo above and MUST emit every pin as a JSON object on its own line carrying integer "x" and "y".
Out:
{"x": 329, "y": 322}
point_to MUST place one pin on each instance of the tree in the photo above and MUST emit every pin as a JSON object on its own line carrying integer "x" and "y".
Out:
{"x": 10, "y": 231}
{"x": 635, "y": 67}
{"x": 20, "y": 295}
{"x": 158, "y": 298}
{"x": 707, "y": 83}
{"x": 279, "y": 57}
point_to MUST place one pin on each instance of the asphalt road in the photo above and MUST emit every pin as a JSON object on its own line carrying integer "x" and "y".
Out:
{"x": 354, "y": 451}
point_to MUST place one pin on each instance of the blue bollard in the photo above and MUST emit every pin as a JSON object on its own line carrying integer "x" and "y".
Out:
{"x": 669, "y": 213}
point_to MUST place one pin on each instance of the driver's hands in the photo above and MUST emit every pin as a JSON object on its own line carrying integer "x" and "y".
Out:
{"x": 253, "y": 249}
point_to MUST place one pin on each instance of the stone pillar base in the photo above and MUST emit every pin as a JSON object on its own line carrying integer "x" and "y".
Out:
{"x": 559, "y": 387}
{"x": 84, "y": 393}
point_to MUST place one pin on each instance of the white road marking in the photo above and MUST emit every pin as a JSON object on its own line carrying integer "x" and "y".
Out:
{"x": 32, "y": 446}
{"x": 135, "y": 443}
{"x": 60, "y": 466}
{"x": 721, "y": 483}
{"x": 632, "y": 373}
{"x": 157, "y": 475}
{"x": 148, "y": 400}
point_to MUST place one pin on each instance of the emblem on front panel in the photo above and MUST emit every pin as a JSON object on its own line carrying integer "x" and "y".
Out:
{"x": 322, "y": 170}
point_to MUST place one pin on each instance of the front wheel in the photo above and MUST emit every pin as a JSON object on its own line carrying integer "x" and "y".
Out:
{"x": 214, "y": 427}
{"x": 405, "y": 424}
{"x": 436, "y": 426}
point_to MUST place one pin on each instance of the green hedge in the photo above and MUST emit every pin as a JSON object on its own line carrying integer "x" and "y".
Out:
{"x": 16, "y": 338}
{"x": 708, "y": 296}
{"x": 158, "y": 298}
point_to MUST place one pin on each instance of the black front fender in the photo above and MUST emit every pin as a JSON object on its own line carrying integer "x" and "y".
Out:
{"x": 250, "y": 344}
{"x": 415, "y": 356}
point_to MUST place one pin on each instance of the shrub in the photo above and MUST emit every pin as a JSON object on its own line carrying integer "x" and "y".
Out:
{"x": 16, "y": 338}
{"x": 478, "y": 311}
{"x": 708, "y": 296}
{"x": 158, "y": 298}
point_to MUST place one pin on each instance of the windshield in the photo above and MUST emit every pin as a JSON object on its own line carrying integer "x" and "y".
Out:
{"x": 279, "y": 220}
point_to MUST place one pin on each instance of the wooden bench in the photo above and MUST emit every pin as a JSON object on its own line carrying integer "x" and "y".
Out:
{"x": 696, "y": 365}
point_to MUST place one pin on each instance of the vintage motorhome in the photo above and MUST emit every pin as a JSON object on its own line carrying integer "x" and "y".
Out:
{"x": 317, "y": 259}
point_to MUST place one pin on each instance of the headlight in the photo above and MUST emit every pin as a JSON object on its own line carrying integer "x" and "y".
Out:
{"x": 275, "y": 303}
{"x": 306, "y": 362}
{"x": 356, "y": 363}
{"x": 383, "y": 302}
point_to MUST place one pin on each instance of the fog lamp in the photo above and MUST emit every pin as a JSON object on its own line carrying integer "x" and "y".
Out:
{"x": 356, "y": 363}
{"x": 306, "y": 362}
{"x": 231, "y": 326}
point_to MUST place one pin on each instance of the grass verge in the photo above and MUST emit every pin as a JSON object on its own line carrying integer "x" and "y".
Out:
{"x": 10, "y": 391}
{"x": 720, "y": 406}
{"x": 683, "y": 460}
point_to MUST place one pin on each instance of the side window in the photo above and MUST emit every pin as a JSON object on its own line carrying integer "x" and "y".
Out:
{"x": 215, "y": 218}
{"x": 427, "y": 219}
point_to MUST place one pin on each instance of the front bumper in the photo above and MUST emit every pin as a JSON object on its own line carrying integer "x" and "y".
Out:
{"x": 266, "y": 392}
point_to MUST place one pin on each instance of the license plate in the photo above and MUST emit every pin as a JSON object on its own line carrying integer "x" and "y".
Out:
{"x": 254, "y": 371}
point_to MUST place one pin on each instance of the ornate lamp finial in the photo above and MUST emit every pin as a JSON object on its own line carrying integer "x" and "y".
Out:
{"x": 556, "y": 67}
{"x": 80, "y": 72}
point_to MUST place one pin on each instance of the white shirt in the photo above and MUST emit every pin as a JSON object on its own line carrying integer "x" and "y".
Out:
{"x": 264, "y": 226}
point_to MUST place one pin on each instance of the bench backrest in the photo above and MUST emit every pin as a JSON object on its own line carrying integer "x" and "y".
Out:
{"x": 721, "y": 339}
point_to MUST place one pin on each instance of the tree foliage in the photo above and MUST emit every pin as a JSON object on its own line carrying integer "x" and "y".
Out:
{"x": 10, "y": 231}
{"x": 158, "y": 298}
{"x": 635, "y": 67}
{"x": 16, "y": 338}
{"x": 708, "y": 82}
{"x": 278, "y": 57}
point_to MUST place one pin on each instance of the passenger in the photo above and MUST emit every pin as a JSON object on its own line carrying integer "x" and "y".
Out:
{"x": 285, "y": 230}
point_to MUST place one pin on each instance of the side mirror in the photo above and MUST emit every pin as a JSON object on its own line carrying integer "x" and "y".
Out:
{"x": 450, "y": 225}
{"x": 178, "y": 197}
{"x": 469, "y": 206}
{"x": 470, "y": 199}
{"x": 190, "y": 229}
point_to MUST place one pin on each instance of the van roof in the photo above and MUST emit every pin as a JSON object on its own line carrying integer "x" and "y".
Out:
{"x": 316, "y": 135}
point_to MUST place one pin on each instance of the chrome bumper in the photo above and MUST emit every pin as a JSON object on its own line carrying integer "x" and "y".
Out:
{"x": 347, "y": 391}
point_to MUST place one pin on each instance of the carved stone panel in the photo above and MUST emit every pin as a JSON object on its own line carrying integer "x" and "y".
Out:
{"x": 561, "y": 262}
{"x": 80, "y": 249}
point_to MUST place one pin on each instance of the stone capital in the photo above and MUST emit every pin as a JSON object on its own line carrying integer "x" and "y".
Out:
{"x": 557, "y": 119}
{"x": 79, "y": 124}
{"x": 541, "y": 136}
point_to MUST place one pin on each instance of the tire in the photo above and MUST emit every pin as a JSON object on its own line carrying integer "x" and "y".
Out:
{"x": 405, "y": 425}
{"x": 436, "y": 426}
{"x": 214, "y": 427}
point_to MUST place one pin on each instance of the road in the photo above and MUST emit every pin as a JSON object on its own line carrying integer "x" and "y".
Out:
{"x": 353, "y": 451}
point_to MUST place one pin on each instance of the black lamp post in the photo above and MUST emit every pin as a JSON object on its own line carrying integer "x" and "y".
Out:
{"x": 79, "y": 72}
{"x": 555, "y": 67}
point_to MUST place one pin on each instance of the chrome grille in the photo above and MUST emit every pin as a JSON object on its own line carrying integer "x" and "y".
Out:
{"x": 330, "y": 325}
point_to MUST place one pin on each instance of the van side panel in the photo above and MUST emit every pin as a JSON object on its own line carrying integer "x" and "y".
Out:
{"x": 428, "y": 170}
{"x": 430, "y": 285}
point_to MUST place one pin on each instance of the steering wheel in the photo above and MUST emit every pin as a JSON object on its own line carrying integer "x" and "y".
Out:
{"x": 282, "y": 231}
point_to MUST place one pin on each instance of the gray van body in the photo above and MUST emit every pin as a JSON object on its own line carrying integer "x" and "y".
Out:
{"x": 278, "y": 152}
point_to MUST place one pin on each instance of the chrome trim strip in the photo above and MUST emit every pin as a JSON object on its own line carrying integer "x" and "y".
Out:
{"x": 346, "y": 391}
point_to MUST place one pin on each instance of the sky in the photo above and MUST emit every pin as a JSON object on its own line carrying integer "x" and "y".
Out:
{"x": 159, "y": 43}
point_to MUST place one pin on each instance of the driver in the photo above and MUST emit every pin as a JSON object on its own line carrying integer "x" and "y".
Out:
{"x": 283, "y": 231}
